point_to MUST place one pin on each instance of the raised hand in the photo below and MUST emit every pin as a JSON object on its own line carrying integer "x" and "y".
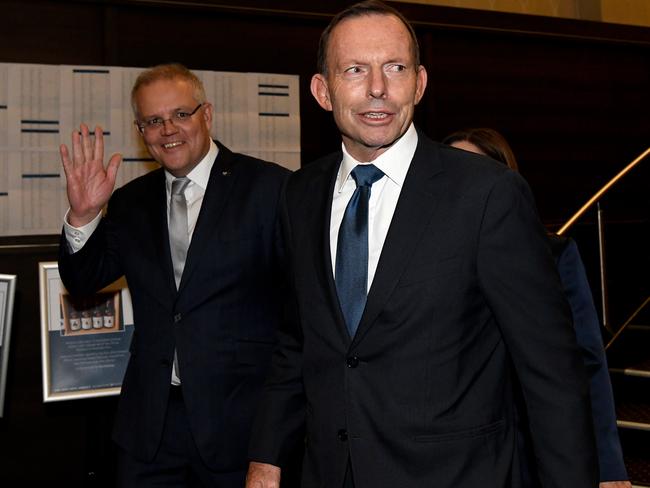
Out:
{"x": 89, "y": 184}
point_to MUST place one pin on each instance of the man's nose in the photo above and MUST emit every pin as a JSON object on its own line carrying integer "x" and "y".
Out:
{"x": 377, "y": 84}
{"x": 168, "y": 127}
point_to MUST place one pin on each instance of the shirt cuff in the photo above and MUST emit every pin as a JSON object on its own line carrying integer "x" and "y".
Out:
{"x": 78, "y": 236}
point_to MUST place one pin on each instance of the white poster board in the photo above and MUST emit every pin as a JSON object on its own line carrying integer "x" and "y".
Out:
{"x": 40, "y": 105}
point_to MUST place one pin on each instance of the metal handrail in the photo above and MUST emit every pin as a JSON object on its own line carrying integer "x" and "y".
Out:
{"x": 601, "y": 192}
{"x": 601, "y": 244}
{"x": 626, "y": 323}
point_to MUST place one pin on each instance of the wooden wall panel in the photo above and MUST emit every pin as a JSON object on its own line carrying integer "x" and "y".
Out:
{"x": 574, "y": 111}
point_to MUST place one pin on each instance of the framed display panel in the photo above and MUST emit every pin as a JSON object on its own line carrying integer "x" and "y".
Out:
{"x": 7, "y": 290}
{"x": 84, "y": 341}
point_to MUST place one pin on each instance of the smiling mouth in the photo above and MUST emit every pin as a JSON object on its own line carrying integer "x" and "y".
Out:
{"x": 376, "y": 115}
{"x": 171, "y": 145}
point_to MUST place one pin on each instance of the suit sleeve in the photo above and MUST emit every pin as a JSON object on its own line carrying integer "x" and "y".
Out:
{"x": 278, "y": 431}
{"x": 97, "y": 263}
{"x": 518, "y": 278}
{"x": 587, "y": 327}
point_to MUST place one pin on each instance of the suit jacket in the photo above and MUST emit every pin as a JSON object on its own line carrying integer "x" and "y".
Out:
{"x": 587, "y": 328}
{"x": 221, "y": 320}
{"x": 465, "y": 295}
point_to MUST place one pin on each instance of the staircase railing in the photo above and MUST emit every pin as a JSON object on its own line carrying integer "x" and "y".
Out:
{"x": 595, "y": 199}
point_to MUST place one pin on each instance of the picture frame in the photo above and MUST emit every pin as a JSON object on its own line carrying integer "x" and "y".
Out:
{"x": 84, "y": 340}
{"x": 7, "y": 294}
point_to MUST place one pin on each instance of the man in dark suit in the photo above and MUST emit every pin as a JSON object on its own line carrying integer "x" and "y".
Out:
{"x": 197, "y": 242}
{"x": 576, "y": 287}
{"x": 410, "y": 383}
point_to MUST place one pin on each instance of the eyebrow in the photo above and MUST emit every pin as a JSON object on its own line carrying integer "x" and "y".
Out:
{"x": 393, "y": 60}
{"x": 178, "y": 109}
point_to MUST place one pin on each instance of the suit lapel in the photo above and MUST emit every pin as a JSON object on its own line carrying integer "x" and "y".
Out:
{"x": 415, "y": 208}
{"x": 220, "y": 184}
{"x": 155, "y": 207}
{"x": 325, "y": 208}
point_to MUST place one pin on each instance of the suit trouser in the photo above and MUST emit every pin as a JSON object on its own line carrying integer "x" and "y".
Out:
{"x": 178, "y": 463}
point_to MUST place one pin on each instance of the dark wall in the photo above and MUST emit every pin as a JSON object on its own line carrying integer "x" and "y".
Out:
{"x": 572, "y": 97}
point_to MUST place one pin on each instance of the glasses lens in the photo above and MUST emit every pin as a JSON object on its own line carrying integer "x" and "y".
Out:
{"x": 179, "y": 117}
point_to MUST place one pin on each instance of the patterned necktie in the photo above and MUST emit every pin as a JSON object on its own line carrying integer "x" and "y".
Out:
{"x": 352, "y": 248}
{"x": 179, "y": 239}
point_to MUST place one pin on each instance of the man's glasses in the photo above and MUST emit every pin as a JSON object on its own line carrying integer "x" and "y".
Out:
{"x": 156, "y": 123}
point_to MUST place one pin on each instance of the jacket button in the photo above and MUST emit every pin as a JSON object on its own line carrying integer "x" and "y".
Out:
{"x": 352, "y": 362}
{"x": 342, "y": 434}
{"x": 177, "y": 318}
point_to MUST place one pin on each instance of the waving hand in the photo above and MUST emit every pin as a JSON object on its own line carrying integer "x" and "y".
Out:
{"x": 89, "y": 184}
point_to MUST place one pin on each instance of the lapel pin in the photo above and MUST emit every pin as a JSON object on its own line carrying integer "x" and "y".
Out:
{"x": 225, "y": 173}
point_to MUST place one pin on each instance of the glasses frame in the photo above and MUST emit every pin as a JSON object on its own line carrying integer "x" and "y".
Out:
{"x": 143, "y": 126}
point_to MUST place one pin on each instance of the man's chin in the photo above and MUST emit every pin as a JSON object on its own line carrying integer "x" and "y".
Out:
{"x": 174, "y": 167}
{"x": 382, "y": 141}
{"x": 381, "y": 144}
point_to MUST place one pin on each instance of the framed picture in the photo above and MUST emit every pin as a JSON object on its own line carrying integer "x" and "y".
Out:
{"x": 7, "y": 291}
{"x": 84, "y": 340}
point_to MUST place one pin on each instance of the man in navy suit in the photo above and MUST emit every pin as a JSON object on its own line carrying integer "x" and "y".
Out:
{"x": 204, "y": 321}
{"x": 459, "y": 295}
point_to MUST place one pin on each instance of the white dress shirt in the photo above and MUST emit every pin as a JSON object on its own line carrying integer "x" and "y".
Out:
{"x": 384, "y": 194}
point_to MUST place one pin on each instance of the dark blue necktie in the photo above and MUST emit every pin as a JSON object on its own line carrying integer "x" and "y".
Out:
{"x": 352, "y": 248}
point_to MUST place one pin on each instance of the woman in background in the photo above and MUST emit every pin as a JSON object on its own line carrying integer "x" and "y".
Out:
{"x": 587, "y": 327}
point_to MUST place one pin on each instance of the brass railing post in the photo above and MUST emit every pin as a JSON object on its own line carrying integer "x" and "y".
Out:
{"x": 603, "y": 273}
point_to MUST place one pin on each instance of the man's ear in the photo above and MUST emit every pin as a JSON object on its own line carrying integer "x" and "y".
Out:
{"x": 137, "y": 128}
{"x": 421, "y": 83}
{"x": 207, "y": 113}
{"x": 320, "y": 91}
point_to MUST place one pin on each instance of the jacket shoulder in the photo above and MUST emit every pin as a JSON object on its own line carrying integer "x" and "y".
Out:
{"x": 144, "y": 183}
{"x": 324, "y": 165}
{"x": 254, "y": 164}
{"x": 460, "y": 161}
{"x": 250, "y": 167}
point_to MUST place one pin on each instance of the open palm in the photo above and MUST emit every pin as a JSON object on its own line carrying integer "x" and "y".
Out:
{"x": 89, "y": 184}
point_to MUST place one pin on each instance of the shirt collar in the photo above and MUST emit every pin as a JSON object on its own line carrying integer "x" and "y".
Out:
{"x": 394, "y": 162}
{"x": 200, "y": 174}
